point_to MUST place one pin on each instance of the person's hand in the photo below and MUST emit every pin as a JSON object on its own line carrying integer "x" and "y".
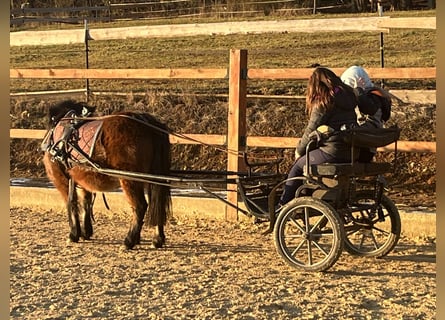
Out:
{"x": 297, "y": 155}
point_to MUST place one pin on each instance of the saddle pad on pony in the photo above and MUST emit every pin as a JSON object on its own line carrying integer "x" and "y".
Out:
{"x": 87, "y": 135}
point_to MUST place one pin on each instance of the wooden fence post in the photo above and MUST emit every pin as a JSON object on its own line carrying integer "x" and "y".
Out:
{"x": 236, "y": 130}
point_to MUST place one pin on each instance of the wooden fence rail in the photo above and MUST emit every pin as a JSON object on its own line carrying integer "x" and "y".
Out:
{"x": 357, "y": 24}
{"x": 238, "y": 75}
{"x": 251, "y": 141}
{"x": 221, "y": 73}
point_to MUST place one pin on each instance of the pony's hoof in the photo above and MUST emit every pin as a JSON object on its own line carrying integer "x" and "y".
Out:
{"x": 73, "y": 238}
{"x": 158, "y": 242}
{"x": 87, "y": 235}
{"x": 129, "y": 244}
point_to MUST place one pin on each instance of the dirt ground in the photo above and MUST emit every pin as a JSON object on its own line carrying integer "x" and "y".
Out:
{"x": 208, "y": 270}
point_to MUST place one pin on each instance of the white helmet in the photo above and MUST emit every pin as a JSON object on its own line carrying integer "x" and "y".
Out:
{"x": 356, "y": 76}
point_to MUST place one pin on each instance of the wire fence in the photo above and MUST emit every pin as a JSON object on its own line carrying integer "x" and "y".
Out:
{"x": 73, "y": 12}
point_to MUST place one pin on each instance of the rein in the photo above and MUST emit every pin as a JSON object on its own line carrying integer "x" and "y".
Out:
{"x": 178, "y": 135}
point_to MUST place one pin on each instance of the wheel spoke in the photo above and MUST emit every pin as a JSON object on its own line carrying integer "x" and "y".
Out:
{"x": 384, "y": 232}
{"x": 309, "y": 252}
{"x": 374, "y": 241}
{"x": 352, "y": 230}
{"x": 362, "y": 240}
{"x": 318, "y": 223}
{"x": 320, "y": 248}
{"x": 297, "y": 225}
{"x": 306, "y": 219}
{"x": 293, "y": 253}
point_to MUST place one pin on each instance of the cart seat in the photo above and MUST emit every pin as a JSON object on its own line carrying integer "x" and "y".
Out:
{"x": 359, "y": 137}
{"x": 356, "y": 169}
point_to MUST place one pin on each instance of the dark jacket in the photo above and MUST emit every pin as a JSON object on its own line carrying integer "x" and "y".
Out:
{"x": 342, "y": 113}
{"x": 371, "y": 100}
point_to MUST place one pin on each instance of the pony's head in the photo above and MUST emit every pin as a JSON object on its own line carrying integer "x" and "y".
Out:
{"x": 58, "y": 111}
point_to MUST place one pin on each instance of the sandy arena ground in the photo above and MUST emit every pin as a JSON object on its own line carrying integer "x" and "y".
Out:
{"x": 209, "y": 269}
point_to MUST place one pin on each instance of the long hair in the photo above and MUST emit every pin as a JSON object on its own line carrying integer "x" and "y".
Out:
{"x": 322, "y": 86}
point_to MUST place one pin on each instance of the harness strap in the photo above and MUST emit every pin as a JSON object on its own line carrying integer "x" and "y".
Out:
{"x": 105, "y": 201}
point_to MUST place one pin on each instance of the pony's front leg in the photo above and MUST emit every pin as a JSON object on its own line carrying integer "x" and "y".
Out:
{"x": 86, "y": 198}
{"x": 58, "y": 175}
{"x": 73, "y": 217}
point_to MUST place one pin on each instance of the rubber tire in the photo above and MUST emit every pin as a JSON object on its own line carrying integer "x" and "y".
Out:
{"x": 394, "y": 230}
{"x": 325, "y": 213}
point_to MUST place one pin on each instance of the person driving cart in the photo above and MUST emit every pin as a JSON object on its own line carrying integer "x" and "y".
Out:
{"x": 330, "y": 104}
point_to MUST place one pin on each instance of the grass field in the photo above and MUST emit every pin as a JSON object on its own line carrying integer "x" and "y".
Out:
{"x": 402, "y": 48}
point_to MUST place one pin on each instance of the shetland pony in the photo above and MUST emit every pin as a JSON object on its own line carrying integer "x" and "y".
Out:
{"x": 124, "y": 141}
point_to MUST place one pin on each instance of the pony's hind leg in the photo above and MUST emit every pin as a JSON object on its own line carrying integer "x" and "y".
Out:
{"x": 134, "y": 192}
{"x": 86, "y": 198}
{"x": 159, "y": 238}
{"x": 158, "y": 211}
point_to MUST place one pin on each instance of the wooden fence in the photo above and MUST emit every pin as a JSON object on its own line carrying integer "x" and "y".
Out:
{"x": 152, "y": 10}
{"x": 244, "y": 74}
{"x": 238, "y": 76}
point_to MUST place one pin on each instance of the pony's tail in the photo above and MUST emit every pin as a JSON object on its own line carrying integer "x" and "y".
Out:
{"x": 159, "y": 209}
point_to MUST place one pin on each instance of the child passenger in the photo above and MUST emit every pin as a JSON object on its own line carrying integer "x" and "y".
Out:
{"x": 374, "y": 103}
{"x": 329, "y": 102}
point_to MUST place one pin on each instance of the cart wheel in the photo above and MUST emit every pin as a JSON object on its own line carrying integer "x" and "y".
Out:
{"x": 309, "y": 234}
{"x": 372, "y": 233}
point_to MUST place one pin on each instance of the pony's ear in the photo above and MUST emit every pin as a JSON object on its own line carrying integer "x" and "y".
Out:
{"x": 87, "y": 110}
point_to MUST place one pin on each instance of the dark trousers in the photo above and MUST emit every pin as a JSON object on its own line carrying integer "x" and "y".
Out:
{"x": 315, "y": 157}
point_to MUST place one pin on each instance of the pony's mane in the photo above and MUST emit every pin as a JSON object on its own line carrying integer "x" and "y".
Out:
{"x": 59, "y": 110}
